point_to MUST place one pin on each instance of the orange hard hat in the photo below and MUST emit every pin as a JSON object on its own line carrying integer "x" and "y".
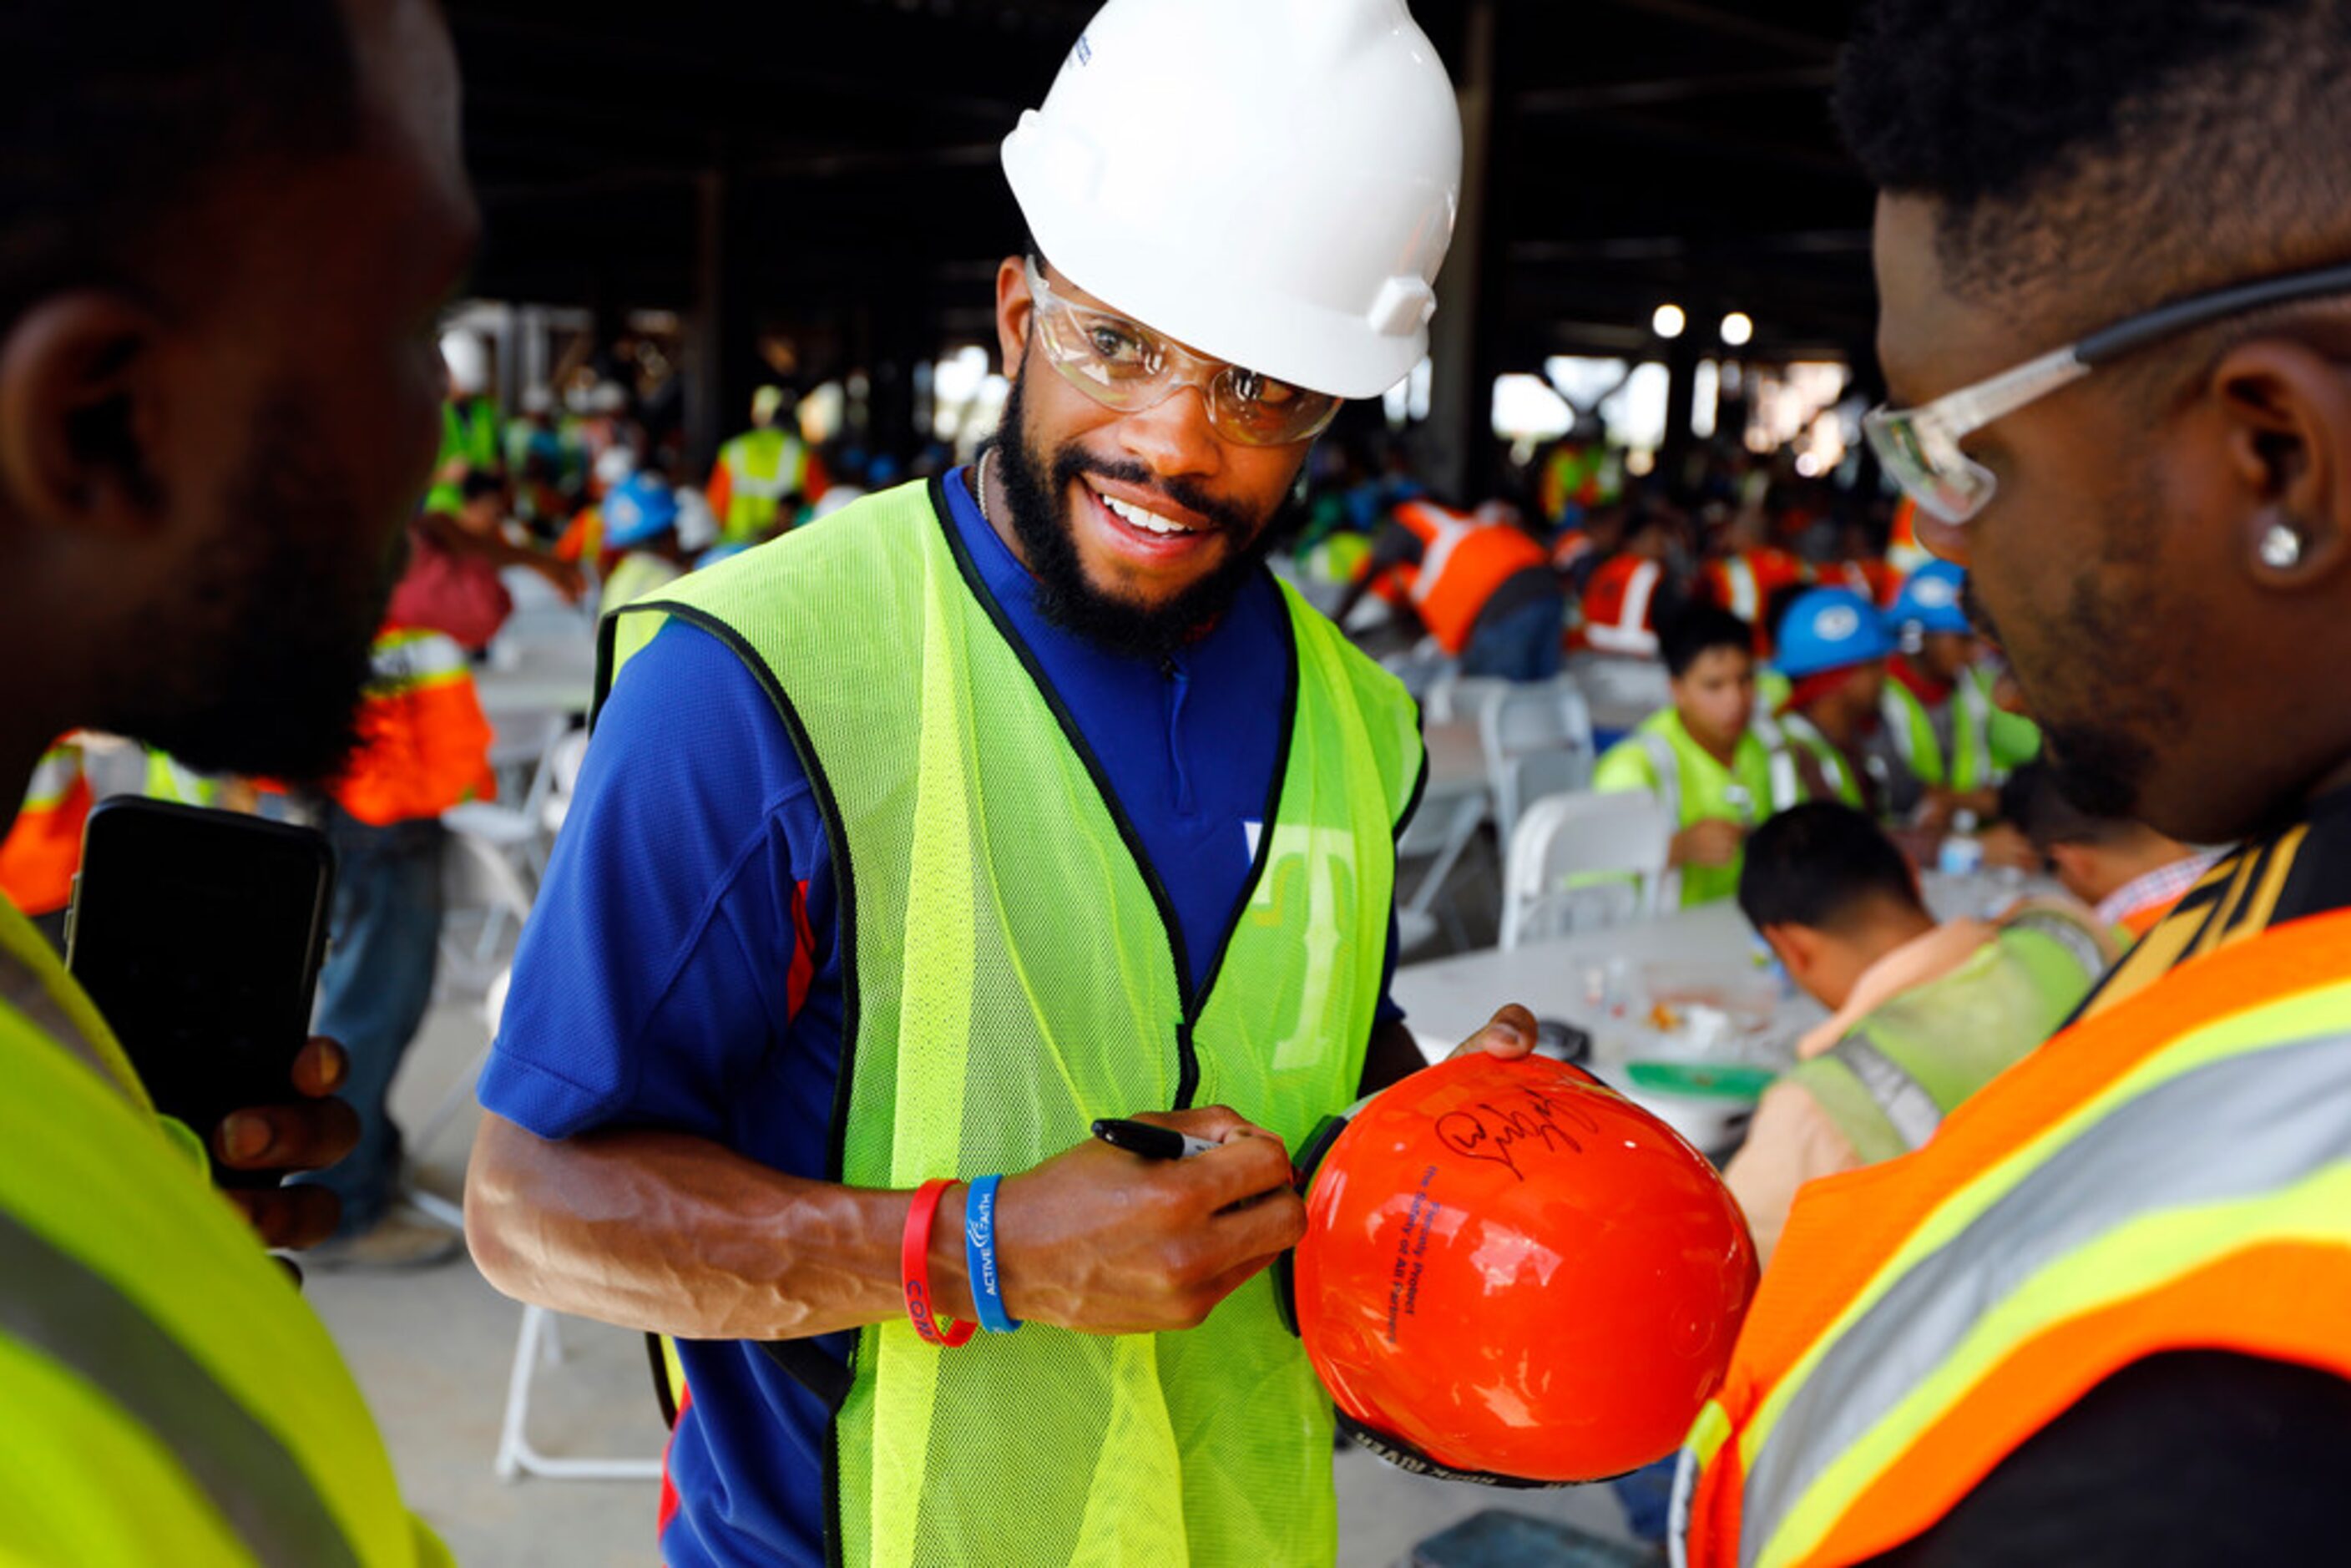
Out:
{"x": 1512, "y": 1273}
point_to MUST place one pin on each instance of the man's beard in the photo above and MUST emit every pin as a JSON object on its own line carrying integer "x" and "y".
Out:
{"x": 1065, "y": 595}
{"x": 256, "y": 665}
{"x": 2108, "y": 642}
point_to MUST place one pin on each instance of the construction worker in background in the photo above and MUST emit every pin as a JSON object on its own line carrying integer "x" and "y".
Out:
{"x": 1622, "y": 599}
{"x": 1748, "y": 571}
{"x": 1020, "y": 725}
{"x": 641, "y": 517}
{"x": 1483, "y": 588}
{"x": 1937, "y": 713}
{"x": 1923, "y": 1015}
{"x": 2127, "y": 873}
{"x": 42, "y": 848}
{"x": 425, "y": 746}
{"x": 1833, "y": 651}
{"x": 2098, "y": 1319}
{"x": 212, "y": 387}
{"x": 1701, "y": 756}
{"x": 1861, "y": 568}
{"x": 763, "y": 475}
{"x": 1903, "y": 553}
{"x": 472, "y": 438}
{"x": 1582, "y": 475}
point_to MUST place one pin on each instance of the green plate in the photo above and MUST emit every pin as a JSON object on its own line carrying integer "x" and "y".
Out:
{"x": 1702, "y": 1079}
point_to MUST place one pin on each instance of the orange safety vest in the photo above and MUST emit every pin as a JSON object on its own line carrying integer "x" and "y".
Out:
{"x": 1872, "y": 579}
{"x": 1744, "y": 584}
{"x": 43, "y": 850}
{"x": 2172, "y": 1172}
{"x": 1462, "y": 561}
{"x": 425, "y": 743}
{"x": 1620, "y": 606}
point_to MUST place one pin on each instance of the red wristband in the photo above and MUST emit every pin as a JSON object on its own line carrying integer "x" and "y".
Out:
{"x": 914, "y": 1268}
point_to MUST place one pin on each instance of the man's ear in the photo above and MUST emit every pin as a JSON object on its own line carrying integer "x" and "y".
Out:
{"x": 1015, "y": 308}
{"x": 2077, "y": 869}
{"x": 2286, "y": 443}
{"x": 1797, "y": 947}
{"x": 81, "y": 414}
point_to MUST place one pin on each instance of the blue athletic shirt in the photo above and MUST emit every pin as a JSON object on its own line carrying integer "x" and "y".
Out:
{"x": 682, "y": 968}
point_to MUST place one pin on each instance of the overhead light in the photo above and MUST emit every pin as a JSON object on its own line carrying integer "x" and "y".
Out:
{"x": 1668, "y": 321}
{"x": 1738, "y": 328}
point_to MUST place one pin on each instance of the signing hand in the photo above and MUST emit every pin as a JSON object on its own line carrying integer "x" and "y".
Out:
{"x": 308, "y": 1136}
{"x": 1104, "y": 1242}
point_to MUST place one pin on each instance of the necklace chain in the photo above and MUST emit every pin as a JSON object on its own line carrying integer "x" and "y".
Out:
{"x": 979, "y": 483}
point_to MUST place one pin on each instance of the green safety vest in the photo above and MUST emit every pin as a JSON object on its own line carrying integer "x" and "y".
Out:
{"x": 2015, "y": 739}
{"x": 1793, "y": 729}
{"x": 169, "y": 1398}
{"x": 1889, "y": 1085}
{"x": 469, "y": 430}
{"x": 763, "y": 467}
{"x": 1014, "y": 972}
{"x": 169, "y": 779}
{"x": 1660, "y": 757}
{"x": 1971, "y": 765}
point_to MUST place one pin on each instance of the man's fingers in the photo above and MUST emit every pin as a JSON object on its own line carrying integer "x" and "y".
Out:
{"x": 305, "y": 1137}
{"x": 289, "y": 1216}
{"x": 1271, "y": 1224}
{"x": 321, "y": 1068}
{"x": 1236, "y": 1170}
{"x": 1508, "y": 1034}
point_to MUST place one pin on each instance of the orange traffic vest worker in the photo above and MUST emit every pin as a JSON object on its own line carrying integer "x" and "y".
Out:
{"x": 424, "y": 745}
{"x": 1458, "y": 572}
{"x": 2171, "y": 1173}
{"x": 43, "y": 850}
{"x": 1744, "y": 583}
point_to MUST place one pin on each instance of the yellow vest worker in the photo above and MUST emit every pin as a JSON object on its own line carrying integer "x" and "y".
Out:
{"x": 170, "y": 1398}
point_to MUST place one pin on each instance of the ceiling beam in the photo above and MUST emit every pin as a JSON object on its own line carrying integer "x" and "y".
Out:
{"x": 1673, "y": 89}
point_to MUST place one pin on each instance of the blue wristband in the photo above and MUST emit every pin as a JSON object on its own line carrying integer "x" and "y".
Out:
{"x": 979, "y": 1257}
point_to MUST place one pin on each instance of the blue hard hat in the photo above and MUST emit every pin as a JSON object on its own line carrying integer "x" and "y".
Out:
{"x": 1930, "y": 599}
{"x": 1830, "y": 629}
{"x": 642, "y": 507}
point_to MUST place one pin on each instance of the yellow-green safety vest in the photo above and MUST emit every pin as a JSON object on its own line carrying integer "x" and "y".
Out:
{"x": 1889, "y": 1085}
{"x": 169, "y": 1398}
{"x": 1660, "y": 757}
{"x": 469, "y": 429}
{"x": 763, "y": 467}
{"x": 1015, "y": 972}
{"x": 1971, "y": 765}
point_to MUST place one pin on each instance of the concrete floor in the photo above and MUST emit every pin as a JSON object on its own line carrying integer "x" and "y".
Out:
{"x": 434, "y": 1350}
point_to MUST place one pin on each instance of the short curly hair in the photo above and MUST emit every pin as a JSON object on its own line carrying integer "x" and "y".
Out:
{"x": 2124, "y": 151}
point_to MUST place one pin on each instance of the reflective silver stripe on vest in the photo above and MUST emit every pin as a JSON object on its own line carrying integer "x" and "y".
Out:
{"x": 60, "y": 1306}
{"x": 21, "y": 987}
{"x": 2230, "y": 1129}
{"x": 1900, "y": 1097}
{"x": 1667, "y": 766}
{"x": 2070, "y": 935}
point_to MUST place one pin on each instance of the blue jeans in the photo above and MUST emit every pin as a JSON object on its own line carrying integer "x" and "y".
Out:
{"x": 1646, "y": 1495}
{"x": 375, "y": 987}
{"x": 1521, "y": 644}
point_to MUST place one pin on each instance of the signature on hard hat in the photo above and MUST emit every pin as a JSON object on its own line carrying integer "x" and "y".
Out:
{"x": 1491, "y": 1132}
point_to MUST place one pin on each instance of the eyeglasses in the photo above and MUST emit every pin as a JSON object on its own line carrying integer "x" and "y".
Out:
{"x": 1124, "y": 365}
{"x": 1920, "y": 446}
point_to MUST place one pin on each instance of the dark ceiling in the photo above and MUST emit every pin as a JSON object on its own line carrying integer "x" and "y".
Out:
{"x": 845, "y": 153}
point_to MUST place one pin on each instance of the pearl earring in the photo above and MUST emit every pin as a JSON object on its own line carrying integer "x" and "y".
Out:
{"x": 2281, "y": 548}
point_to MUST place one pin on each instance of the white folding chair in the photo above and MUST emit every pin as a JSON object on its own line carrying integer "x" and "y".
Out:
{"x": 1424, "y": 670}
{"x": 540, "y": 1341}
{"x": 480, "y": 881}
{"x": 565, "y": 758}
{"x": 1583, "y": 862}
{"x": 1538, "y": 740}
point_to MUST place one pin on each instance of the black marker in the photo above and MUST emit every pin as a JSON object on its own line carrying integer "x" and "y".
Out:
{"x": 1150, "y": 1143}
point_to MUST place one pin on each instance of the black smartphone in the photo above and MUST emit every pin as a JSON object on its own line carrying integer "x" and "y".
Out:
{"x": 199, "y": 935}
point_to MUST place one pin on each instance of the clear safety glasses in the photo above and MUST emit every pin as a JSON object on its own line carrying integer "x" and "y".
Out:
{"x": 1920, "y": 446}
{"x": 1124, "y": 365}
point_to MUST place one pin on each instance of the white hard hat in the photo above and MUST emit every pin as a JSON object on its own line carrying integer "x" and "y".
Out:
{"x": 1269, "y": 182}
{"x": 697, "y": 524}
{"x": 614, "y": 464}
{"x": 469, "y": 361}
